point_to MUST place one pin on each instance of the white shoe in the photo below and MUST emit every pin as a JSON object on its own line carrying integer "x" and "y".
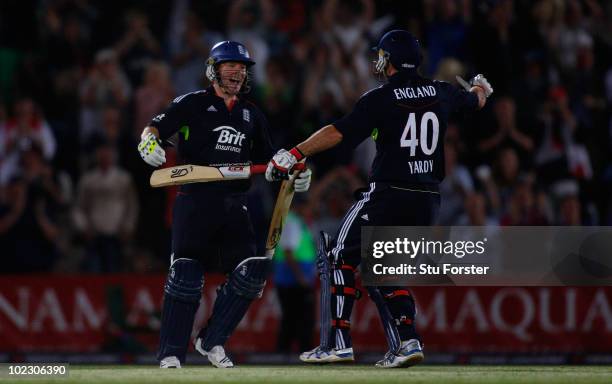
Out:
{"x": 216, "y": 355}
{"x": 411, "y": 353}
{"x": 319, "y": 356}
{"x": 170, "y": 362}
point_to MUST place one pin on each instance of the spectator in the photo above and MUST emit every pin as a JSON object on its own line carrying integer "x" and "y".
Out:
{"x": 447, "y": 70}
{"x": 105, "y": 85}
{"x": 498, "y": 32}
{"x": 476, "y": 212}
{"x": 189, "y": 48}
{"x": 248, "y": 22}
{"x": 106, "y": 211}
{"x": 30, "y": 221}
{"x": 294, "y": 277}
{"x": 570, "y": 211}
{"x": 507, "y": 133}
{"x": 446, "y": 33}
{"x": 344, "y": 24}
{"x": 277, "y": 98}
{"x": 572, "y": 35}
{"x": 25, "y": 129}
{"x": 453, "y": 190}
{"x": 137, "y": 47}
{"x": 560, "y": 155}
{"x": 12, "y": 204}
{"x": 500, "y": 182}
{"x": 111, "y": 124}
{"x": 154, "y": 94}
{"x": 67, "y": 53}
{"x": 117, "y": 135}
{"x": 524, "y": 207}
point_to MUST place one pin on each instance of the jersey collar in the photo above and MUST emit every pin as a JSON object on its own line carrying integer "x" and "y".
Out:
{"x": 211, "y": 90}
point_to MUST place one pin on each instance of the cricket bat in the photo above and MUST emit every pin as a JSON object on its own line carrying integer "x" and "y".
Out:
{"x": 281, "y": 209}
{"x": 463, "y": 83}
{"x": 260, "y": 265}
{"x": 188, "y": 173}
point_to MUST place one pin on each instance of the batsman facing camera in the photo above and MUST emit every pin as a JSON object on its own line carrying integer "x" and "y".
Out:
{"x": 234, "y": 77}
{"x": 214, "y": 126}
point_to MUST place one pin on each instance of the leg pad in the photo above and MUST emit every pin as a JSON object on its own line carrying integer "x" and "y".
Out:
{"x": 182, "y": 293}
{"x": 245, "y": 284}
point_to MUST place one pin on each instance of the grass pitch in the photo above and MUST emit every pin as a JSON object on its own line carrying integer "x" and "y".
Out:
{"x": 349, "y": 374}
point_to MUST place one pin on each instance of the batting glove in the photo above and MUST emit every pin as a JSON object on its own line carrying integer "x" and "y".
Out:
{"x": 280, "y": 165}
{"x": 482, "y": 82}
{"x": 302, "y": 182}
{"x": 151, "y": 151}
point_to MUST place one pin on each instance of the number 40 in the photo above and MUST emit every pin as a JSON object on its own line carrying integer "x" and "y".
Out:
{"x": 409, "y": 137}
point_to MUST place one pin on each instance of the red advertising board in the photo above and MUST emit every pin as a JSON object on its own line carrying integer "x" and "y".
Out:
{"x": 121, "y": 313}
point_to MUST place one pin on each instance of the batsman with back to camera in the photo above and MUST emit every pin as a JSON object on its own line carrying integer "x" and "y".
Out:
{"x": 407, "y": 118}
{"x": 211, "y": 228}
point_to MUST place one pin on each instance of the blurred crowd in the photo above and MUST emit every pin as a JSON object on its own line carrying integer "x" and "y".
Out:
{"x": 79, "y": 79}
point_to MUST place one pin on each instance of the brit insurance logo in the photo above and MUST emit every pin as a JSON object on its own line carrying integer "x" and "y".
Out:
{"x": 229, "y": 139}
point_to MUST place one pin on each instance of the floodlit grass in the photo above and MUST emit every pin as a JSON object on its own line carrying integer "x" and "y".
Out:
{"x": 350, "y": 374}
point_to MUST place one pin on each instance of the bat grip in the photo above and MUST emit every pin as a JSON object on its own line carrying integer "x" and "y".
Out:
{"x": 261, "y": 168}
{"x": 258, "y": 168}
{"x": 299, "y": 167}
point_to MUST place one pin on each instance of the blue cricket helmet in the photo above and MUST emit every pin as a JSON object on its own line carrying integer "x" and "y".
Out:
{"x": 399, "y": 48}
{"x": 225, "y": 51}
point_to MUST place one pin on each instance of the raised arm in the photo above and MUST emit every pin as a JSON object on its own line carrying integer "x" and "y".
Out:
{"x": 480, "y": 93}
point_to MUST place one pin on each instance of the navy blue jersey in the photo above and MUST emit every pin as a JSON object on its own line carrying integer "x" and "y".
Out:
{"x": 210, "y": 134}
{"x": 407, "y": 118}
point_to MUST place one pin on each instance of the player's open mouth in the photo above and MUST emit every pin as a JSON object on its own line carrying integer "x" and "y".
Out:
{"x": 234, "y": 82}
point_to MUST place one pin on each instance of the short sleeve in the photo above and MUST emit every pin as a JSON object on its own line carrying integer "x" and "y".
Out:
{"x": 358, "y": 124}
{"x": 173, "y": 118}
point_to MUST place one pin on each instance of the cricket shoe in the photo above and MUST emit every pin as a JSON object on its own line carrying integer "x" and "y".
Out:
{"x": 410, "y": 353}
{"x": 216, "y": 355}
{"x": 170, "y": 362}
{"x": 319, "y": 356}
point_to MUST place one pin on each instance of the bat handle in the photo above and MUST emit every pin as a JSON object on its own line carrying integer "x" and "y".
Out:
{"x": 299, "y": 167}
{"x": 261, "y": 168}
{"x": 258, "y": 168}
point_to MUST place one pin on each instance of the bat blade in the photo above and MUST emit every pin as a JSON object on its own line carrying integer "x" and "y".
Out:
{"x": 185, "y": 174}
{"x": 463, "y": 83}
{"x": 281, "y": 209}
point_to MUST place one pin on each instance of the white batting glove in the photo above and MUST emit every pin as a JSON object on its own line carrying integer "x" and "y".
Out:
{"x": 302, "y": 182}
{"x": 151, "y": 151}
{"x": 482, "y": 82}
{"x": 280, "y": 165}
